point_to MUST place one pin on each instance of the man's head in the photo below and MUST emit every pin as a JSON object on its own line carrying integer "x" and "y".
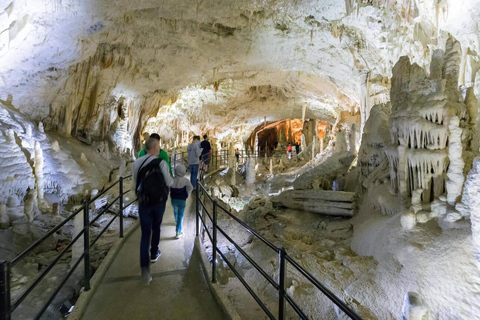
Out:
{"x": 155, "y": 136}
{"x": 196, "y": 138}
{"x": 205, "y": 137}
{"x": 153, "y": 146}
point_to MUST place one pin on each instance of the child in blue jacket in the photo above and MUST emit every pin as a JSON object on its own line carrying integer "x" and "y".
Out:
{"x": 179, "y": 192}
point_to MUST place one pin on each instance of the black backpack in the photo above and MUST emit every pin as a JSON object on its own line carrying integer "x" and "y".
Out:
{"x": 151, "y": 187}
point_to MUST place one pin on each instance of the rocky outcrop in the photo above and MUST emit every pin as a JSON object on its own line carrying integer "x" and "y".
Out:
{"x": 337, "y": 203}
{"x": 427, "y": 125}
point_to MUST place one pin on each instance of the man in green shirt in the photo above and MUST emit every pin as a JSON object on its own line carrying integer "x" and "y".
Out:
{"x": 161, "y": 155}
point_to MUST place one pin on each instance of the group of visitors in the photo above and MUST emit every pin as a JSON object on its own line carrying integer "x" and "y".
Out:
{"x": 198, "y": 154}
{"x": 153, "y": 180}
{"x": 290, "y": 149}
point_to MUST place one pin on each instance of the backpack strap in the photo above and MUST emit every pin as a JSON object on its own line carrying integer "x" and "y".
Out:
{"x": 141, "y": 166}
{"x": 138, "y": 173}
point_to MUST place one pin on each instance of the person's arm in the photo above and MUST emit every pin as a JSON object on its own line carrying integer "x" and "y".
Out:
{"x": 189, "y": 187}
{"x": 166, "y": 173}
{"x": 199, "y": 150}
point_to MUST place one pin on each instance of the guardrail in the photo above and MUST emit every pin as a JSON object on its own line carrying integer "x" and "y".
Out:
{"x": 7, "y": 307}
{"x": 202, "y": 212}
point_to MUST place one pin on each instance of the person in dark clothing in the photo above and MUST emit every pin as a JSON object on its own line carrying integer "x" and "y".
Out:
{"x": 151, "y": 215}
{"x": 206, "y": 150}
{"x": 237, "y": 155}
{"x": 297, "y": 148}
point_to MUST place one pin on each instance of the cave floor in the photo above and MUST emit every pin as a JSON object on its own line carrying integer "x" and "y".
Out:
{"x": 178, "y": 289}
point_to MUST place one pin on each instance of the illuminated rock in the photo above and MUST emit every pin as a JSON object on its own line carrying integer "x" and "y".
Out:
{"x": 4, "y": 218}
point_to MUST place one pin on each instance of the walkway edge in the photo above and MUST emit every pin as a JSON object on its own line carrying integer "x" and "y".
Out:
{"x": 227, "y": 307}
{"x": 85, "y": 296}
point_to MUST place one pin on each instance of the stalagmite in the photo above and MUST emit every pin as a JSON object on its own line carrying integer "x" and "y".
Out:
{"x": 30, "y": 206}
{"x": 341, "y": 142}
{"x": 455, "y": 169}
{"x": 313, "y": 149}
{"x": 4, "y": 218}
{"x": 352, "y": 139}
{"x": 271, "y": 166}
{"x": 303, "y": 143}
{"x": 40, "y": 127}
{"x": 250, "y": 176}
{"x": 231, "y": 165}
{"x": 364, "y": 96}
{"x": 321, "y": 144}
{"x": 402, "y": 170}
{"x": 39, "y": 171}
{"x": 77, "y": 248}
{"x": 471, "y": 205}
{"x": 55, "y": 146}
{"x": 304, "y": 109}
{"x": 68, "y": 121}
{"x": 55, "y": 210}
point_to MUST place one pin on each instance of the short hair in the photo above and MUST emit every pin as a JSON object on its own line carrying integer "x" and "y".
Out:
{"x": 150, "y": 144}
{"x": 155, "y": 136}
{"x": 204, "y": 136}
{"x": 196, "y": 137}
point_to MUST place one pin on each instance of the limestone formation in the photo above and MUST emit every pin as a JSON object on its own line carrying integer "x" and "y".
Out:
{"x": 337, "y": 203}
{"x": 39, "y": 181}
{"x": 84, "y": 83}
{"x": 470, "y": 206}
{"x": 31, "y": 205}
{"x": 425, "y": 128}
{"x": 4, "y": 218}
{"x": 250, "y": 165}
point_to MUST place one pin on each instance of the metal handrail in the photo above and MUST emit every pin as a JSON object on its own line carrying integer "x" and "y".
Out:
{"x": 250, "y": 230}
{"x": 283, "y": 297}
{"x": 44, "y": 273}
{"x": 47, "y": 235}
{"x": 6, "y": 305}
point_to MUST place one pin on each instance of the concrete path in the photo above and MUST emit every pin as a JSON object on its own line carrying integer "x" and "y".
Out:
{"x": 178, "y": 289}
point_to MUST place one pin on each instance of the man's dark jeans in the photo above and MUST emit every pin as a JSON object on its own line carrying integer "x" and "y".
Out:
{"x": 194, "y": 175}
{"x": 150, "y": 220}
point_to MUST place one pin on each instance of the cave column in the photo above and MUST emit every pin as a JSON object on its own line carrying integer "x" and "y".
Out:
{"x": 402, "y": 170}
{"x": 39, "y": 170}
{"x": 68, "y": 121}
{"x": 364, "y": 97}
{"x": 455, "y": 176}
{"x": 231, "y": 165}
{"x": 250, "y": 172}
{"x": 352, "y": 139}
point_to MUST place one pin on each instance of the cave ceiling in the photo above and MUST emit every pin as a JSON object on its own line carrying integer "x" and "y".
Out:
{"x": 232, "y": 62}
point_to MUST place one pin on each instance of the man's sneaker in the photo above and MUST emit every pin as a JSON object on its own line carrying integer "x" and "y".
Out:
{"x": 155, "y": 257}
{"x": 146, "y": 277}
{"x": 179, "y": 235}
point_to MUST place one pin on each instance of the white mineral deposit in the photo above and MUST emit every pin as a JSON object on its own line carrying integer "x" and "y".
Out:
{"x": 357, "y": 121}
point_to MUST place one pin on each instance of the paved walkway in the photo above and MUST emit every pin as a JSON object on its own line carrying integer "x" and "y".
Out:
{"x": 178, "y": 289}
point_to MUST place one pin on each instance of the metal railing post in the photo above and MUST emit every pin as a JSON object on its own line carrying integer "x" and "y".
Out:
{"x": 281, "y": 284}
{"x": 86, "y": 243}
{"x": 121, "y": 206}
{"x": 214, "y": 243}
{"x": 197, "y": 211}
{"x": 5, "y": 311}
